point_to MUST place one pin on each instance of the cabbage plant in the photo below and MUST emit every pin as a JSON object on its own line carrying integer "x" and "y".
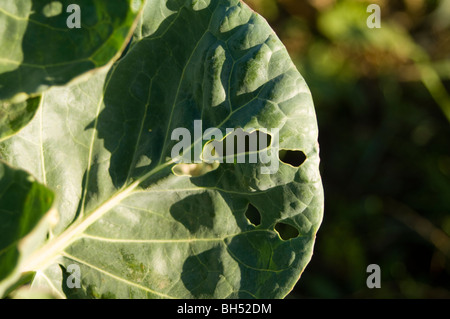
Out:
{"x": 93, "y": 205}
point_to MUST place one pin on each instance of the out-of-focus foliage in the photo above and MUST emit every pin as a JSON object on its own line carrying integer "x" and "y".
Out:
{"x": 383, "y": 105}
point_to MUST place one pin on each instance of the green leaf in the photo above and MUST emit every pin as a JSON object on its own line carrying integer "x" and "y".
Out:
{"x": 39, "y": 50}
{"x": 136, "y": 229}
{"x": 23, "y": 205}
{"x": 14, "y": 116}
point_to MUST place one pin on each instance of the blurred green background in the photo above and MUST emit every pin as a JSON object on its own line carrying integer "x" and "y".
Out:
{"x": 383, "y": 107}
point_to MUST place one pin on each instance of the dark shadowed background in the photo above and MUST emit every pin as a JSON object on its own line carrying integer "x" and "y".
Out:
{"x": 383, "y": 108}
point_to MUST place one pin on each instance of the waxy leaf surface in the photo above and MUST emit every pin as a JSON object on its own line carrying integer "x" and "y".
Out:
{"x": 136, "y": 229}
{"x": 38, "y": 49}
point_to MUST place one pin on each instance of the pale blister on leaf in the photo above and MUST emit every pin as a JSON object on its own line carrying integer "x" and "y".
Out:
{"x": 140, "y": 230}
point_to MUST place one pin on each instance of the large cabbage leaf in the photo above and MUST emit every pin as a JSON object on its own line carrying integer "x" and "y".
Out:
{"x": 136, "y": 229}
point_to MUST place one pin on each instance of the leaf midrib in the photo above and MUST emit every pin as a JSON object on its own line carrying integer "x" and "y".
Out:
{"x": 45, "y": 255}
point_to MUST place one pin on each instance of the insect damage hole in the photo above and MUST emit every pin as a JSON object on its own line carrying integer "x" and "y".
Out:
{"x": 292, "y": 157}
{"x": 286, "y": 231}
{"x": 253, "y": 215}
{"x": 238, "y": 146}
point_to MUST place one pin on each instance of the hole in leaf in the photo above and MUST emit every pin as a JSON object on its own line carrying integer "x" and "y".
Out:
{"x": 286, "y": 231}
{"x": 238, "y": 147}
{"x": 194, "y": 170}
{"x": 291, "y": 157}
{"x": 253, "y": 215}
